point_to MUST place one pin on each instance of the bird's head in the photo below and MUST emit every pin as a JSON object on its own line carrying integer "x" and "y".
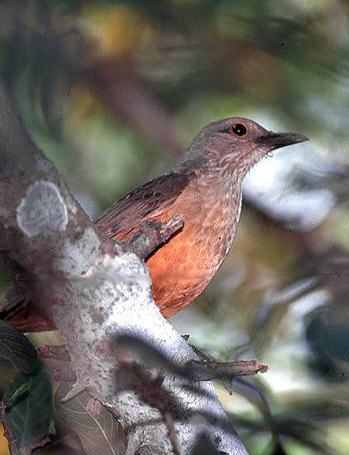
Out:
{"x": 237, "y": 143}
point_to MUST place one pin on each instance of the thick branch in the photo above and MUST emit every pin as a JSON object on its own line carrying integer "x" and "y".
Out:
{"x": 93, "y": 291}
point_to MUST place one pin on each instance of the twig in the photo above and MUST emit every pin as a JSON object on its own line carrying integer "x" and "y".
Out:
{"x": 203, "y": 370}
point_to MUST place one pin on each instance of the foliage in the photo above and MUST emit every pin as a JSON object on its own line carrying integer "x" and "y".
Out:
{"x": 26, "y": 402}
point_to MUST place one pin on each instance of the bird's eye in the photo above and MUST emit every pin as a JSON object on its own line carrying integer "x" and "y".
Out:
{"x": 239, "y": 129}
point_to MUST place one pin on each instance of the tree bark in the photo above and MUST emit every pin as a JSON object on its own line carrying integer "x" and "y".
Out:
{"x": 94, "y": 290}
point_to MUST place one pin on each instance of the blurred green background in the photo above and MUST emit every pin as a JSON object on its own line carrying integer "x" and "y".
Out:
{"x": 113, "y": 92}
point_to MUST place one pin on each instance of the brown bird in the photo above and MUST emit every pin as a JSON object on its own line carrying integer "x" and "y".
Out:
{"x": 205, "y": 190}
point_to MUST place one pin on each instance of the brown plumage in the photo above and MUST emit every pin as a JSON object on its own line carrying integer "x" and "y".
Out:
{"x": 205, "y": 189}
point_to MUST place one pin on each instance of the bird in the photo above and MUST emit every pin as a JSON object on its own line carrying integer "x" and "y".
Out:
{"x": 204, "y": 189}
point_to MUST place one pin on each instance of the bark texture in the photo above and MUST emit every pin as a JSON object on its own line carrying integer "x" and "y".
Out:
{"x": 95, "y": 291}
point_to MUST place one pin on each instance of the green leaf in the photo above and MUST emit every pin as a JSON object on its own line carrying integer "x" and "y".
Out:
{"x": 28, "y": 416}
{"x": 17, "y": 394}
{"x": 17, "y": 349}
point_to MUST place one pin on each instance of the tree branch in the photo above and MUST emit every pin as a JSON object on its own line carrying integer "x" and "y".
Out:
{"x": 93, "y": 291}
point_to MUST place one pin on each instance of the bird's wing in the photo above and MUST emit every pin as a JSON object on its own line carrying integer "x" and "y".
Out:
{"x": 145, "y": 203}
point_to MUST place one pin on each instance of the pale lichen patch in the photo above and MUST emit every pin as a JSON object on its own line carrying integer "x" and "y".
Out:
{"x": 78, "y": 255}
{"x": 41, "y": 209}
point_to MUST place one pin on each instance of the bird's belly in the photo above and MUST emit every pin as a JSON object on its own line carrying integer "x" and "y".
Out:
{"x": 182, "y": 269}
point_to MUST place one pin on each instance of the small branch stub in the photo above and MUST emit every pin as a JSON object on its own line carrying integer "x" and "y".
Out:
{"x": 154, "y": 234}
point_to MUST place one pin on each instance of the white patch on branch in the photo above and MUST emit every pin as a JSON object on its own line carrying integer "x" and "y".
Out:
{"x": 78, "y": 256}
{"x": 42, "y": 208}
{"x": 126, "y": 268}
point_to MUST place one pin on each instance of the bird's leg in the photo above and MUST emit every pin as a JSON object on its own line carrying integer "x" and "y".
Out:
{"x": 153, "y": 234}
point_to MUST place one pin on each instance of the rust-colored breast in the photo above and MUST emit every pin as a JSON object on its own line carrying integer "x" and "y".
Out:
{"x": 182, "y": 268}
{"x": 209, "y": 206}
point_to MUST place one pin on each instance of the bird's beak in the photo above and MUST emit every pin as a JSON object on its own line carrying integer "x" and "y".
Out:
{"x": 276, "y": 140}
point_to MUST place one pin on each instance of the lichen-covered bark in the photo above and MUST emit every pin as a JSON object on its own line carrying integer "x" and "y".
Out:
{"x": 94, "y": 291}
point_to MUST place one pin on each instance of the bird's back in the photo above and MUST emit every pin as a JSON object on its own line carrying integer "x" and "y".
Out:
{"x": 150, "y": 201}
